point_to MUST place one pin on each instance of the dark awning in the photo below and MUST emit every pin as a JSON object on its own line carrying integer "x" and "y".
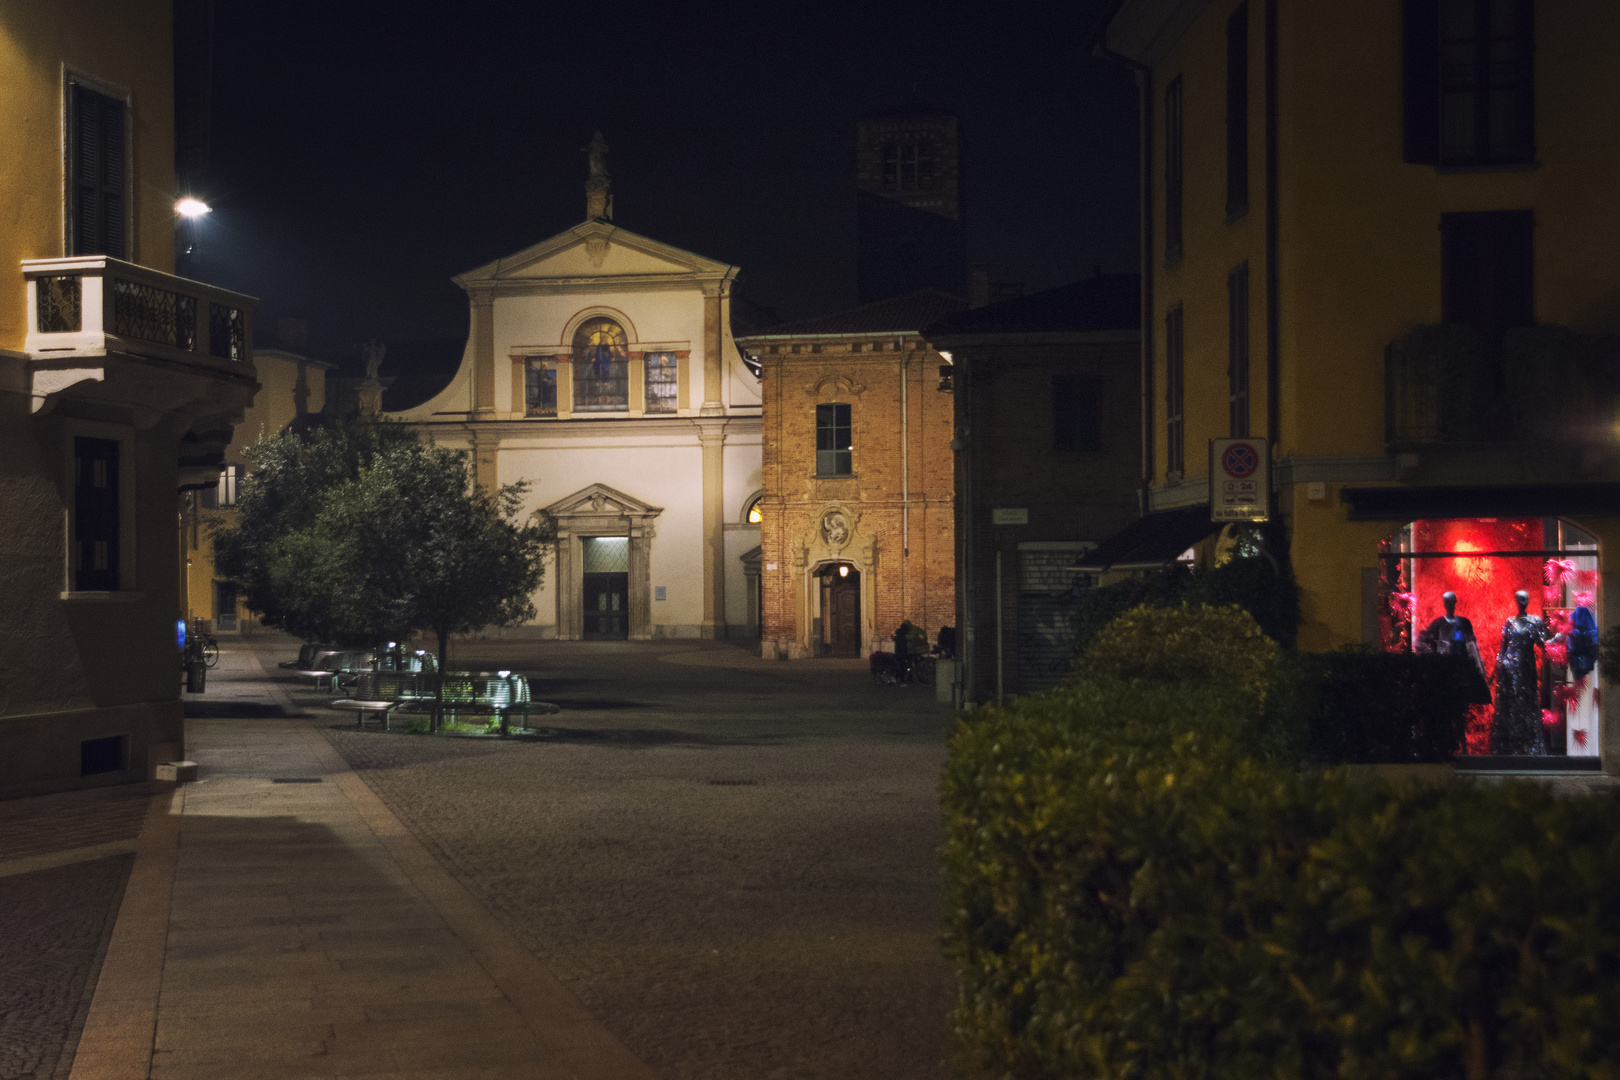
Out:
{"x": 1485, "y": 500}
{"x": 1153, "y": 540}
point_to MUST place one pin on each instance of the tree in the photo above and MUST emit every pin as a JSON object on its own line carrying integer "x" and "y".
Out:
{"x": 361, "y": 535}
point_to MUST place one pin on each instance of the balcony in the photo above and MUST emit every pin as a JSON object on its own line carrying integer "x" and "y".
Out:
{"x": 84, "y": 309}
{"x": 1543, "y": 385}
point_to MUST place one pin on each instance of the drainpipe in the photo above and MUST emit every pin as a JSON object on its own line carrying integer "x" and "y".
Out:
{"x": 905, "y": 476}
{"x": 1000, "y": 686}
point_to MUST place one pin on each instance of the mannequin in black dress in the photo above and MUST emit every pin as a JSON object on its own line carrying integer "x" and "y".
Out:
{"x": 1517, "y": 727}
{"x": 1453, "y": 635}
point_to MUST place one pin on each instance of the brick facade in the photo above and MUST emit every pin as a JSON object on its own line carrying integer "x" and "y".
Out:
{"x": 897, "y": 519}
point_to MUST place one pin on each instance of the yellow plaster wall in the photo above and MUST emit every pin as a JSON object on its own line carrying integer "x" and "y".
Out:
{"x": 126, "y": 43}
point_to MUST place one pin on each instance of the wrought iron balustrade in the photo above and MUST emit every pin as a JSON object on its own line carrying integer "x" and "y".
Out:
{"x": 95, "y": 303}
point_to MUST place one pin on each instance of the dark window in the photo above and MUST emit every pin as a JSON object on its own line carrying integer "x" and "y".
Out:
{"x": 1237, "y": 349}
{"x": 95, "y": 515}
{"x": 1469, "y": 81}
{"x": 107, "y": 755}
{"x": 662, "y": 382}
{"x": 540, "y": 387}
{"x": 1237, "y": 112}
{"x": 1175, "y": 449}
{"x": 98, "y": 163}
{"x": 833, "y": 454}
{"x": 1172, "y": 169}
{"x": 1487, "y": 277}
{"x": 1076, "y": 413}
{"x": 601, "y": 367}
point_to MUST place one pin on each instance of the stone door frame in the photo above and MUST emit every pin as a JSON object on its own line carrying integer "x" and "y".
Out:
{"x": 599, "y": 510}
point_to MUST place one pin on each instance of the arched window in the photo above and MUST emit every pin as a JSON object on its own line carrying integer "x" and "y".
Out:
{"x": 601, "y": 367}
{"x": 754, "y": 517}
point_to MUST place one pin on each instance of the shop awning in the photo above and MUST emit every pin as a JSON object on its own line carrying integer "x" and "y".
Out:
{"x": 1483, "y": 501}
{"x": 1156, "y": 539}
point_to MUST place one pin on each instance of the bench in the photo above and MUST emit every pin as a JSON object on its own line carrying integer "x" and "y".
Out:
{"x": 500, "y": 695}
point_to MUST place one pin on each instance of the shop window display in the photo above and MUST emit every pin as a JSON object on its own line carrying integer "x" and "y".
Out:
{"x": 1519, "y": 596}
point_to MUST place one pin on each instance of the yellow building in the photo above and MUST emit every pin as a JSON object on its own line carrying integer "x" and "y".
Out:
{"x": 119, "y": 383}
{"x": 290, "y": 386}
{"x": 1382, "y": 236}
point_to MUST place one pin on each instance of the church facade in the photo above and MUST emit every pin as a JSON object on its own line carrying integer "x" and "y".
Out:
{"x": 600, "y": 369}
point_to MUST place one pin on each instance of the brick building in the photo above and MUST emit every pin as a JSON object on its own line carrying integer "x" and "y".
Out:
{"x": 856, "y": 517}
{"x": 1047, "y": 393}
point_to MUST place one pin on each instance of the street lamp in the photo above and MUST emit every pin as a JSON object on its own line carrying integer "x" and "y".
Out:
{"x": 191, "y": 207}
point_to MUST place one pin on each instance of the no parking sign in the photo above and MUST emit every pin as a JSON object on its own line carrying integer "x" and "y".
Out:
{"x": 1239, "y": 480}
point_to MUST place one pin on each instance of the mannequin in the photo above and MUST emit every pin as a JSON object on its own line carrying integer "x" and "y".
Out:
{"x": 1453, "y": 635}
{"x": 1517, "y": 726}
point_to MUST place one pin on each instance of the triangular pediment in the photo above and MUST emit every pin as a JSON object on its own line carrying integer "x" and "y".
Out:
{"x": 601, "y": 499}
{"x": 593, "y": 249}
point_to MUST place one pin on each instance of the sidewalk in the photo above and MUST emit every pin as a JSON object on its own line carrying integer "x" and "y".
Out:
{"x": 280, "y": 922}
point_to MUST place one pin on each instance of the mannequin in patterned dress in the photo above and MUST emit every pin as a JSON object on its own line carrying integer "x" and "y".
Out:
{"x": 1517, "y": 725}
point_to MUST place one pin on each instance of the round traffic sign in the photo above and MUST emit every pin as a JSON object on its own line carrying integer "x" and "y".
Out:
{"x": 1240, "y": 461}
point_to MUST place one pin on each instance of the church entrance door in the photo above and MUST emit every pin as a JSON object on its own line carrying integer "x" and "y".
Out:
{"x": 844, "y": 614}
{"x": 606, "y": 599}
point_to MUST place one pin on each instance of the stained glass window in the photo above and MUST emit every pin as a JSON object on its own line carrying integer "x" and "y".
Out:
{"x": 541, "y": 387}
{"x": 601, "y": 367}
{"x": 661, "y": 382}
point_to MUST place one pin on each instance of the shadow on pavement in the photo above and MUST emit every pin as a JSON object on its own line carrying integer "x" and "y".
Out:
{"x": 239, "y": 710}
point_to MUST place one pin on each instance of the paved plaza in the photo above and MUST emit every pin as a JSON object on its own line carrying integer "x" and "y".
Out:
{"x": 707, "y": 865}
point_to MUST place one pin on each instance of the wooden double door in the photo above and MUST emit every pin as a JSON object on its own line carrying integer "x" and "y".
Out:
{"x": 607, "y": 607}
{"x": 841, "y": 610}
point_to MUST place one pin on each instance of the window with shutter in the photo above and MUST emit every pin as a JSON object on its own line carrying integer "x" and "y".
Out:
{"x": 1175, "y": 459}
{"x": 98, "y": 162}
{"x": 1487, "y": 271}
{"x": 1469, "y": 82}
{"x": 95, "y": 515}
{"x": 1237, "y": 349}
{"x": 1172, "y": 170}
{"x": 1237, "y": 112}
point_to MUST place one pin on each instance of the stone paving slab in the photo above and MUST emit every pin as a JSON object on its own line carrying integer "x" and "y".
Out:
{"x": 297, "y": 930}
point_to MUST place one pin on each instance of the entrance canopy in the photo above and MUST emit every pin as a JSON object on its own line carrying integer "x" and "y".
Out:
{"x": 1152, "y": 541}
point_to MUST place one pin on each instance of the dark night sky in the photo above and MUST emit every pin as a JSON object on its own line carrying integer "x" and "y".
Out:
{"x": 361, "y": 156}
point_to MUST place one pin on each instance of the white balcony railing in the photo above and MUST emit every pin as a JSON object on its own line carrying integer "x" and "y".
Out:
{"x": 95, "y": 304}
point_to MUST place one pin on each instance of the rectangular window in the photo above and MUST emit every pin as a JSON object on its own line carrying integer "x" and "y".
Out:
{"x": 1175, "y": 459}
{"x": 1484, "y": 54}
{"x": 95, "y": 515}
{"x": 1237, "y": 349}
{"x": 225, "y": 490}
{"x": 1420, "y": 79}
{"x": 602, "y": 381}
{"x": 540, "y": 387}
{"x": 98, "y": 172}
{"x": 1076, "y": 413}
{"x": 908, "y": 166}
{"x": 1172, "y": 169}
{"x": 1237, "y": 112}
{"x": 1487, "y": 271}
{"x": 662, "y": 382}
{"x": 833, "y": 453}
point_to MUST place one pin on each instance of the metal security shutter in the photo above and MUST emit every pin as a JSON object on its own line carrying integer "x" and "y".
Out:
{"x": 98, "y": 158}
{"x": 1050, "y": 590}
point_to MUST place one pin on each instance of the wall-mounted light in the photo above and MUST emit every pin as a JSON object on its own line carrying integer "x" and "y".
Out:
{"x": 843, "y": 570}
{"x": 192, "y": 207}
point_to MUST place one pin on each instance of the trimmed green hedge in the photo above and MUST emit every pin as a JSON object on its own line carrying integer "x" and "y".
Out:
{"x": 1131, "y": 895}
{"x": 1255, "y": 583}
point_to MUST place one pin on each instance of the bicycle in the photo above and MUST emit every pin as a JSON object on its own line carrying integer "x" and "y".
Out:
{"x": 202, "y": 645}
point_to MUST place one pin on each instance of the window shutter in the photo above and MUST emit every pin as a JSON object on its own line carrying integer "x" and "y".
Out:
{"x": 1237, "y": 112}
{"x": 98, "y": 158}
{"x": 1420, "y": 34}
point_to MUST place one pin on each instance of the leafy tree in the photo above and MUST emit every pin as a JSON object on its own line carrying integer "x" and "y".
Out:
{"x": 358, "y": 536}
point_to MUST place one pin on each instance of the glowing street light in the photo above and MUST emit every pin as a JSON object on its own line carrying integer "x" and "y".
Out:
{"x": 191, "y": 207}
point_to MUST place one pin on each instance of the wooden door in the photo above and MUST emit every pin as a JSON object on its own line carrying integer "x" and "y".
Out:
{"x": 845, "y": 600}
{"x": 607, "y": 607}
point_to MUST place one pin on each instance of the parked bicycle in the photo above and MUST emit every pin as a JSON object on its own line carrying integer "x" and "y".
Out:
{"x": 200, "y": 644}
{"x": 912, "y": 660}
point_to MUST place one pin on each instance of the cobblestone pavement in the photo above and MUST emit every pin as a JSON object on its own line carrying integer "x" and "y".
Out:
{"x": 63, "y": 864}
{"x": 731, "y": 863}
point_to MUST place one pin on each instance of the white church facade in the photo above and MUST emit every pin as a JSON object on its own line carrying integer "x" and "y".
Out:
{"x": 600, "y": 368}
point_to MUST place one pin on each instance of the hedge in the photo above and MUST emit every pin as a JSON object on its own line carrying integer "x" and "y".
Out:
{"x": 1132, "y": 895}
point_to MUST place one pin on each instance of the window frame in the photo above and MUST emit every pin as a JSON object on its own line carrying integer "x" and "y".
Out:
{"x": 1175, "y": 395}
{"x": 835, "y": 424}
{"x": 1482, "y": 88}
{"x": 535, "y": 368}
{"x": 619, "y": 362}
{"x": 1238, "y": 370}
{"x": 73, "y": 79}
{"x": 1174, "y": 189}
{"x": 667, "y": 405}
{"x": 1085, "y": 438}
{"x": 128, "y": 508}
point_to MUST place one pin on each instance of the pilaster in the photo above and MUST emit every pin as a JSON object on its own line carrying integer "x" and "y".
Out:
{"x": 712, "y": 438}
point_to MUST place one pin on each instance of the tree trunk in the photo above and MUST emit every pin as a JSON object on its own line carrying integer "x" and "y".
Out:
{"x": 438, "y": 702}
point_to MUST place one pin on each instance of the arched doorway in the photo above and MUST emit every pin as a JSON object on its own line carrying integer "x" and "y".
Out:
{"x": 1453, "y": 584}
{"x": 840, "y": 610}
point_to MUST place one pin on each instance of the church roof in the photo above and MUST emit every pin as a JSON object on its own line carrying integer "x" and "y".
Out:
{"x": 910, "y": 313}
{"x": 1095, "y": 305}
{"x": 595, "y": 249}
